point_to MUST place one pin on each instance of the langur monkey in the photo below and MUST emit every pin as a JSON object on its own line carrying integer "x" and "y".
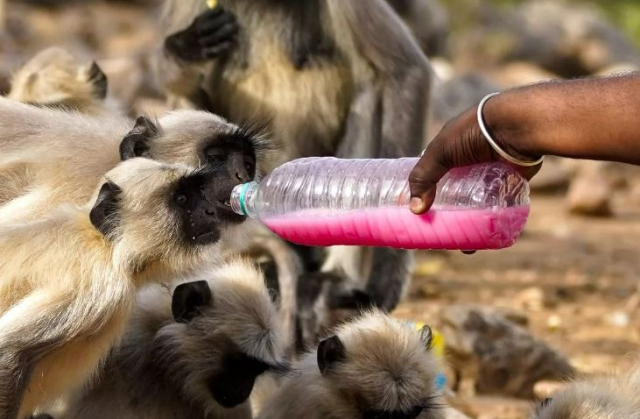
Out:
{"x": 195, "y": 353}
{"x": 69, "y": 279}
{"x": 373, "y": 367}
{"x": 65, "y": 155}
{"x": 55, "y": 78}
{"x": 601, "y": 398}
{"x": 335, "y": 77}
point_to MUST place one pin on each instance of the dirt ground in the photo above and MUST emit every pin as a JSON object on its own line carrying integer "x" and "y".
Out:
{"x": 587, "y": 270}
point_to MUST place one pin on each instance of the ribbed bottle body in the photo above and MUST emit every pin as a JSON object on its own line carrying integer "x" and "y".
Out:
{"x": 328, "y": 201}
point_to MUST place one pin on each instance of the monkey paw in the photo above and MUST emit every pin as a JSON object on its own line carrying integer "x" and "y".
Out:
{"x": 211, "y": 35}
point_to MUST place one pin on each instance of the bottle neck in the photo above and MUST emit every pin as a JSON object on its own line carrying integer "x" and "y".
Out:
{"x": 243, "y": 199}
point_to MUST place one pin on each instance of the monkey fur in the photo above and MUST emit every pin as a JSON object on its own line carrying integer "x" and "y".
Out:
{"x": 195, "y": 354}
{"x": 334, "y": 77}
{"x": 69, "y": 278}
{"x": 371, "y": 367}
{"x": 55, "y": 78}
{"x": 52, "y": 156}
{"x": 601, "y": 398}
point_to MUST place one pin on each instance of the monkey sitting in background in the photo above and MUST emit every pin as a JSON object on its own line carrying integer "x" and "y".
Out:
{"x": 334, "y": 77}
{"x": 602, "y": 398}
{"x": 373, "y": 367}
{"x": 69, "y": 279}
{"x": 55, "y": 78}
{"x": 195, "y": 354}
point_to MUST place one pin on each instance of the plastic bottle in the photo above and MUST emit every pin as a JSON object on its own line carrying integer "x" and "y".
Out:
{"x": 325, "y": 201}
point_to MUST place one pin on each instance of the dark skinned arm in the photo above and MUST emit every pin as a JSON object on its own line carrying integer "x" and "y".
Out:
{"x": 596, "y": 119}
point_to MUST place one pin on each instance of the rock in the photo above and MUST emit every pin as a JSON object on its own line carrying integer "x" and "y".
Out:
{"x": 591, "y": 192}
{"x": 554, "y": 322}
{"x": 454, "y": 414}
{"x": 492, "y": 355}
{"x": 565, "y": 38}
{"x": 555, "y": 174}
{"x": 532, "y": 299}
{"x": 544, "y": 389}
{"x": 455, "y": 96}
{"x": 493, "y": 407}
{"x": 521, "y": 73}
{"x": 429, "y": 22}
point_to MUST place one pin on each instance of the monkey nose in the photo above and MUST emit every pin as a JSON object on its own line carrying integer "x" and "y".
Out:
{"x": 242, "y": 176}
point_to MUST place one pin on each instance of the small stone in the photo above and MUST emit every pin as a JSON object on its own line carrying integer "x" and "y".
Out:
{"x": 532, "y": 299}
{"x": 619, "y": 319}
{"x": 554, "y": 322}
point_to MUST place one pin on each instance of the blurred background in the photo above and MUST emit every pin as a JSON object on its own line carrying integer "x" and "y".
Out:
{"x": 565, "y": 298}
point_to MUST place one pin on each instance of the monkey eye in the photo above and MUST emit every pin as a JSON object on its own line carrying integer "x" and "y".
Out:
{"x": 181, "y": 199}
{"x": 216, "y": 155}
{"x": 249, "y": 165}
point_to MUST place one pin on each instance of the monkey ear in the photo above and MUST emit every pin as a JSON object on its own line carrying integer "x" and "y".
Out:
{"x": 136, "y": 142}
{"x": 104, "y": 214}
{"x": 426, "y": 336}
{"x": 352, "y": 300}
{"x": 189, "y": 299}
{"x": 99, "y": 81}
{"x": 330, "y": 352}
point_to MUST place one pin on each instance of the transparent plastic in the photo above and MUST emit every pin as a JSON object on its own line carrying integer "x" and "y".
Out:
{"x": 325, "y": 201}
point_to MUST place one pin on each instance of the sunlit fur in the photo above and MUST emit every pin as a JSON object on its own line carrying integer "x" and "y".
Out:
{"x": 161, "y": 368}
{"x": 359, "y": 90}
{"x": 602, "y": 398}
{"x": 388, "y": 367}
{"x": 50, "y": 156}
{"x": 56, "y": 78}
{"x": 66, "y": 291}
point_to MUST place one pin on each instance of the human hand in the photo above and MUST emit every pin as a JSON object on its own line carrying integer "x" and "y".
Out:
{"x": 460, "y": 143}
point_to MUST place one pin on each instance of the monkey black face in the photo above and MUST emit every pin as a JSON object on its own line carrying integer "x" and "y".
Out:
{"x": 233, "y": 384}
{"x": 229, "y": 158}
{"x": 232, "y": 378}
{"x": 201, "y": 213}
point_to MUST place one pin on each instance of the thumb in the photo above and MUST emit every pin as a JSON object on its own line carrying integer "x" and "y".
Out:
{"x": 423, "y": 182}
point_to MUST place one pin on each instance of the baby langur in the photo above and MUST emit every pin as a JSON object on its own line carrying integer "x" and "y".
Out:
{"x": 195, "y": 354}
{"x": 373, "y": 367}
{"x": 55, "y": 78}
{"x": 69, "y": 279}
{"x": 602, "y": 398}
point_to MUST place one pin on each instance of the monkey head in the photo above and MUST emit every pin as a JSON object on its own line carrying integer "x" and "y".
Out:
{"x": 54, "y": 78}
{"x": 159, "y": 213}
{"x": 232, "y": 154}
{"x": 224, "y": 336}
{"x": 382, "y": 366}
{"x": 600, "y": 399}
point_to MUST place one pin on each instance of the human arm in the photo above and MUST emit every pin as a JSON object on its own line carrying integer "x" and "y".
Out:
{"x": 595, "y": 119}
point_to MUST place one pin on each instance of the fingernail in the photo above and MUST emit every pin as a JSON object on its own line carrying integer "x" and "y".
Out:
{"x": 416, "y": 205}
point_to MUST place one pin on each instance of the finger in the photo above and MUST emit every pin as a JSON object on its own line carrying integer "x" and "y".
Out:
{"x": 217, "y": 50}
{"x": 224, "y": 33}
{"x": 423, "y": 180}
{"x": 211, "y": 14}
{"x": 210, "y": 26}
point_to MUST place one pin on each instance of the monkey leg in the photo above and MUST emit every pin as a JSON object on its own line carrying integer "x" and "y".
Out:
{"x": 390, "y": 274}
{"x": 49, "y": 343}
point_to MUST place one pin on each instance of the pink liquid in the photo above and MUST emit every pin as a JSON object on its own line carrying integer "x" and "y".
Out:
{"x": 397, "y": 227}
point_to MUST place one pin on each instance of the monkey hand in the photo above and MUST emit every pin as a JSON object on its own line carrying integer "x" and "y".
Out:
{"x": 211, "y": 35}
{"x": 460, "y": 143}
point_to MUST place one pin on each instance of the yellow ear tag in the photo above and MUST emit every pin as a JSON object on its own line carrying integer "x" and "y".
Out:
{"x": 212, "y": 4}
